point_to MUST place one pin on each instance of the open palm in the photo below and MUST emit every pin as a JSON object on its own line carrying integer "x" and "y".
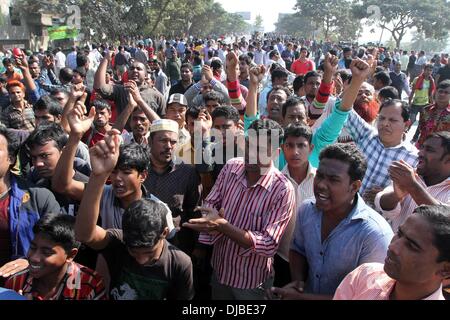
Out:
{"x": 105, "y": 153}
{"x": 78, "y": 122}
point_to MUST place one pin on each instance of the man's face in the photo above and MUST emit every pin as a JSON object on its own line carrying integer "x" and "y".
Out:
{"x": 145, "y": 255}
{"x": 154, "y": 65}
{"x": 45, "y": 158}
{"x": 61, "y": 97}
{"x": 295, "y": 115}
{"x": 35, "y": 70}
{"x": 77, "y": 78}
{"x": 211, "y": 105}
{"x": 176, "y": 112}
{"x": 137, "y": 72}
{"x": 163, "y": 144}
{"x": 126, "y": 182}
{"x": 312, "y": 86}
{"x": 5, "y": 159}
{"x": 296, "y": 151}
{"x": 9, "y": 67}
{"x": 391, "y": 125}
{"x": 347, "y": 55}
{"x": 258, "y": 153}
{"x": 139, "y": 124}
{"x": 365, "y": 95}
{"x": 398, "y": 67}
{"x": 443, "y": 96}
{"x": 47, "y": 257}
{"x": 303, "y": 54}
{"x": 41, "y": 116}
{"x": 225, "y": 125}
{"x": 186, "y": 74}
{"x": 427, "y": 72}
{"x": 275, "y": 103}
{"x": 16, "y": 95}
{"x": 411, "y": 256}
{"x": 102, "y": 117}
{"x": 243, "y": 67}
{"x": 333, "y": 188}
{"x": 195, "y": 124}
{"x": 432, "y": 159}
{"x": 280, "y": 81}
{"x": 206, "y": 87}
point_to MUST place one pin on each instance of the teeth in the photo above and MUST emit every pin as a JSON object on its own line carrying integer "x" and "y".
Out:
{"x": 35, "y": 267}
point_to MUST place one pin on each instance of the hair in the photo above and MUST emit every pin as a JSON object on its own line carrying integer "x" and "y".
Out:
{"x": 388, "y": 93}
{"x": 268, "y": 125}
{"x": 50, "y": 104}
{"x": 279, "y": 73}
{"x": 311, "y": 74}
{"x": 101, "y": 104}
{"x": 15, "y": 83}
{"x": 282, "y": 88}
{"x": 216, "y": 64}
{"x": 246, "y": 58}
{"x": 82, "y": 59}
{"x": 438, "y": 218}
{"x": 213, "y": 95}
{"x": 444, "y": 84}
{"x": 291, "y": 102}
{"x": 445, "y": 140}
{"x": 45, "y": 133}
{"x": 187, "y": 65}
{"x": 383, "y": 77}
{"x": 11, "y": 140}
{"x": 133, "y": 156}
{"x": 143, "y": 223}
{"x": 194, "y": 112}
{"x": 427, "y": 66}
{"x": 295, "y": 130}
{"x": 273, "y": 53}
{"x": 58, "y": 228}
{"x": 7, "y": 61}
{"x": 298, "y": 83}
{"x": 350, "y": 154}
{"x": 66, "y": 74}
{"x": 228, "y": 112}
{"x": 404, "y": 105}
{"x": 81, "y": 71}
{"x": 345, "y": 75}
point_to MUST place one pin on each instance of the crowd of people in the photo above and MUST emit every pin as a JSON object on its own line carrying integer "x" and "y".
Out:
{"x": 267, "y": 168}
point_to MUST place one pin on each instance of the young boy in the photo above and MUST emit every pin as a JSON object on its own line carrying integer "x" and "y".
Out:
{"x": 52, "y": 273}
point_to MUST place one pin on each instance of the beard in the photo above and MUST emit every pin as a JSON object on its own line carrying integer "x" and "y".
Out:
{"x": 367, "y": 110}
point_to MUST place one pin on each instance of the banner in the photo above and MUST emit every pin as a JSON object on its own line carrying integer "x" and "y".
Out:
{"x": 62, "y": 32}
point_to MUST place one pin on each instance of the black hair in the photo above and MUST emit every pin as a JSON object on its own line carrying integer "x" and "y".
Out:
{"x": 246, "y": 58}
{"x": 298, "y": 83}
{"x": 58, "y": 228}
{"x": 194, "y": 112}
{"x": 143, "y": 223}
{"x": 82, "y": 59}
{"x": 66, "y": 74}
{"x": 273, "y": 53}
{"x": 311, "y": 74}
{"x": 444, "y": 84}
{"x": 101, "y": 104}
{"x": 45, "y": 133}
{"x": 133, "y": 156}
{"x": 279, "y": 73}
{"x": 388, "y": 93}
{"x": 228, "y": 112}
{"x": 81, "y": 71}
{"x": 7, "y": 61}
{"x": 438, "y": 218}
{"x": 282, "y": 88}
{"x": 404, "y": 105}
{"x": 295, "y": 130}
{"x": 350, "y": 154}
{"x": 445, "y": 140}
{"x": 216, "y": 64}
{"x": 50, "y": 104}
{"x": 187, "y": 65}
{"x": 384, "y": 77}
{"x": 11, "y": 140}
{"x": 213, "y": 95}
{"x": 268, "y": 126}
{"x": 291, "y": 102}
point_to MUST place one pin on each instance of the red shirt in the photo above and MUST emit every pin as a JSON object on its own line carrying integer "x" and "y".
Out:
{"x": 5, "y": 241}
{"x": 302, "y": 67}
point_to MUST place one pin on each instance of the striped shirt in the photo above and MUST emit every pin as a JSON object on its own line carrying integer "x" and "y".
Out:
{"x": 303, "y": 191}
{"x": 405, "y": 208}
{"x": 378, "y": 157}
{"x": 263, "y": 210}
{"x": 79, "y": 283}
{"x": 370, "y": 282}
{"x": 20, "y": 119}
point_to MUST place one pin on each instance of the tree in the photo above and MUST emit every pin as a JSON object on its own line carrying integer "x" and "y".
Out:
{"x": 430, "y": 17}
{"x": 295, "y": 25}
{"x": 258, "y": 23}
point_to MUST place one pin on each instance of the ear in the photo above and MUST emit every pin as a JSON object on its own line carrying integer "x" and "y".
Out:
{"x": 444, "y": 272}
{"x": 143, "y": 176}
{"x": 311, "y": 148}
{"x": 71, "y": 255}
{"x": 355, "y": 186}
{"x": 165, "y": 233}
{"x": 407, "y": 124}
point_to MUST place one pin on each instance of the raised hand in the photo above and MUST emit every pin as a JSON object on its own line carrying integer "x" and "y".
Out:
{"x": 22, "y": 62}
{"x": 360, "y": 70}
{"x": 403, "y": 176}
{"x": 207, "y": 72}
{"x": 78, "y": 122}
{"x": 330, "y": 63}
{"x": 133, "y": 92}
{"x": 105, "y": 153}
{"x": 232, "y": 60}
{"x": 257, "y": 74}
{"x": 77, "y": 91}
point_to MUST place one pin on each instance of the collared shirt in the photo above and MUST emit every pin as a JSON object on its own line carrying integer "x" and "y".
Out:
{"x": 17, "y": 118}
{"x": 303, "y": 191}
{"x": 370, "y": 282}
{"x": 363, "y": 236}
{"x": 263, "y": 210}
{"x": 79, "y": 283}
{"x": 405, "y": 208}
{"x": 128, "y": 137}
{"x": 378, "y": 157}
{"x": 433, "y": 119}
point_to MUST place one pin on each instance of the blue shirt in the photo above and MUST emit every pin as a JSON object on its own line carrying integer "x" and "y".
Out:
{"x": 363, "y": 236}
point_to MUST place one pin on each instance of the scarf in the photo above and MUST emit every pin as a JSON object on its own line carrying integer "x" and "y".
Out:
{"x": 421, "y": 80}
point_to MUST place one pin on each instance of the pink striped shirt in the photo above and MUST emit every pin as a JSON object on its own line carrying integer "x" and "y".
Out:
{"x": 396, "y": 217}
{"x": 370, "y": 282}
{"x": 263, "y": 210}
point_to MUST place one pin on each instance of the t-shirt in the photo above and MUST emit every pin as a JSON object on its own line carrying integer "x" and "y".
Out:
{"x": 5, "y": 242}
{"x": 168, "y": 278}
{"x": 299, "y": 67}
{"x": 421, "y": 97}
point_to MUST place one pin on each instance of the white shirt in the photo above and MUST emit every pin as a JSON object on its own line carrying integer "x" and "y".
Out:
{"x": 60, "y": 60}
